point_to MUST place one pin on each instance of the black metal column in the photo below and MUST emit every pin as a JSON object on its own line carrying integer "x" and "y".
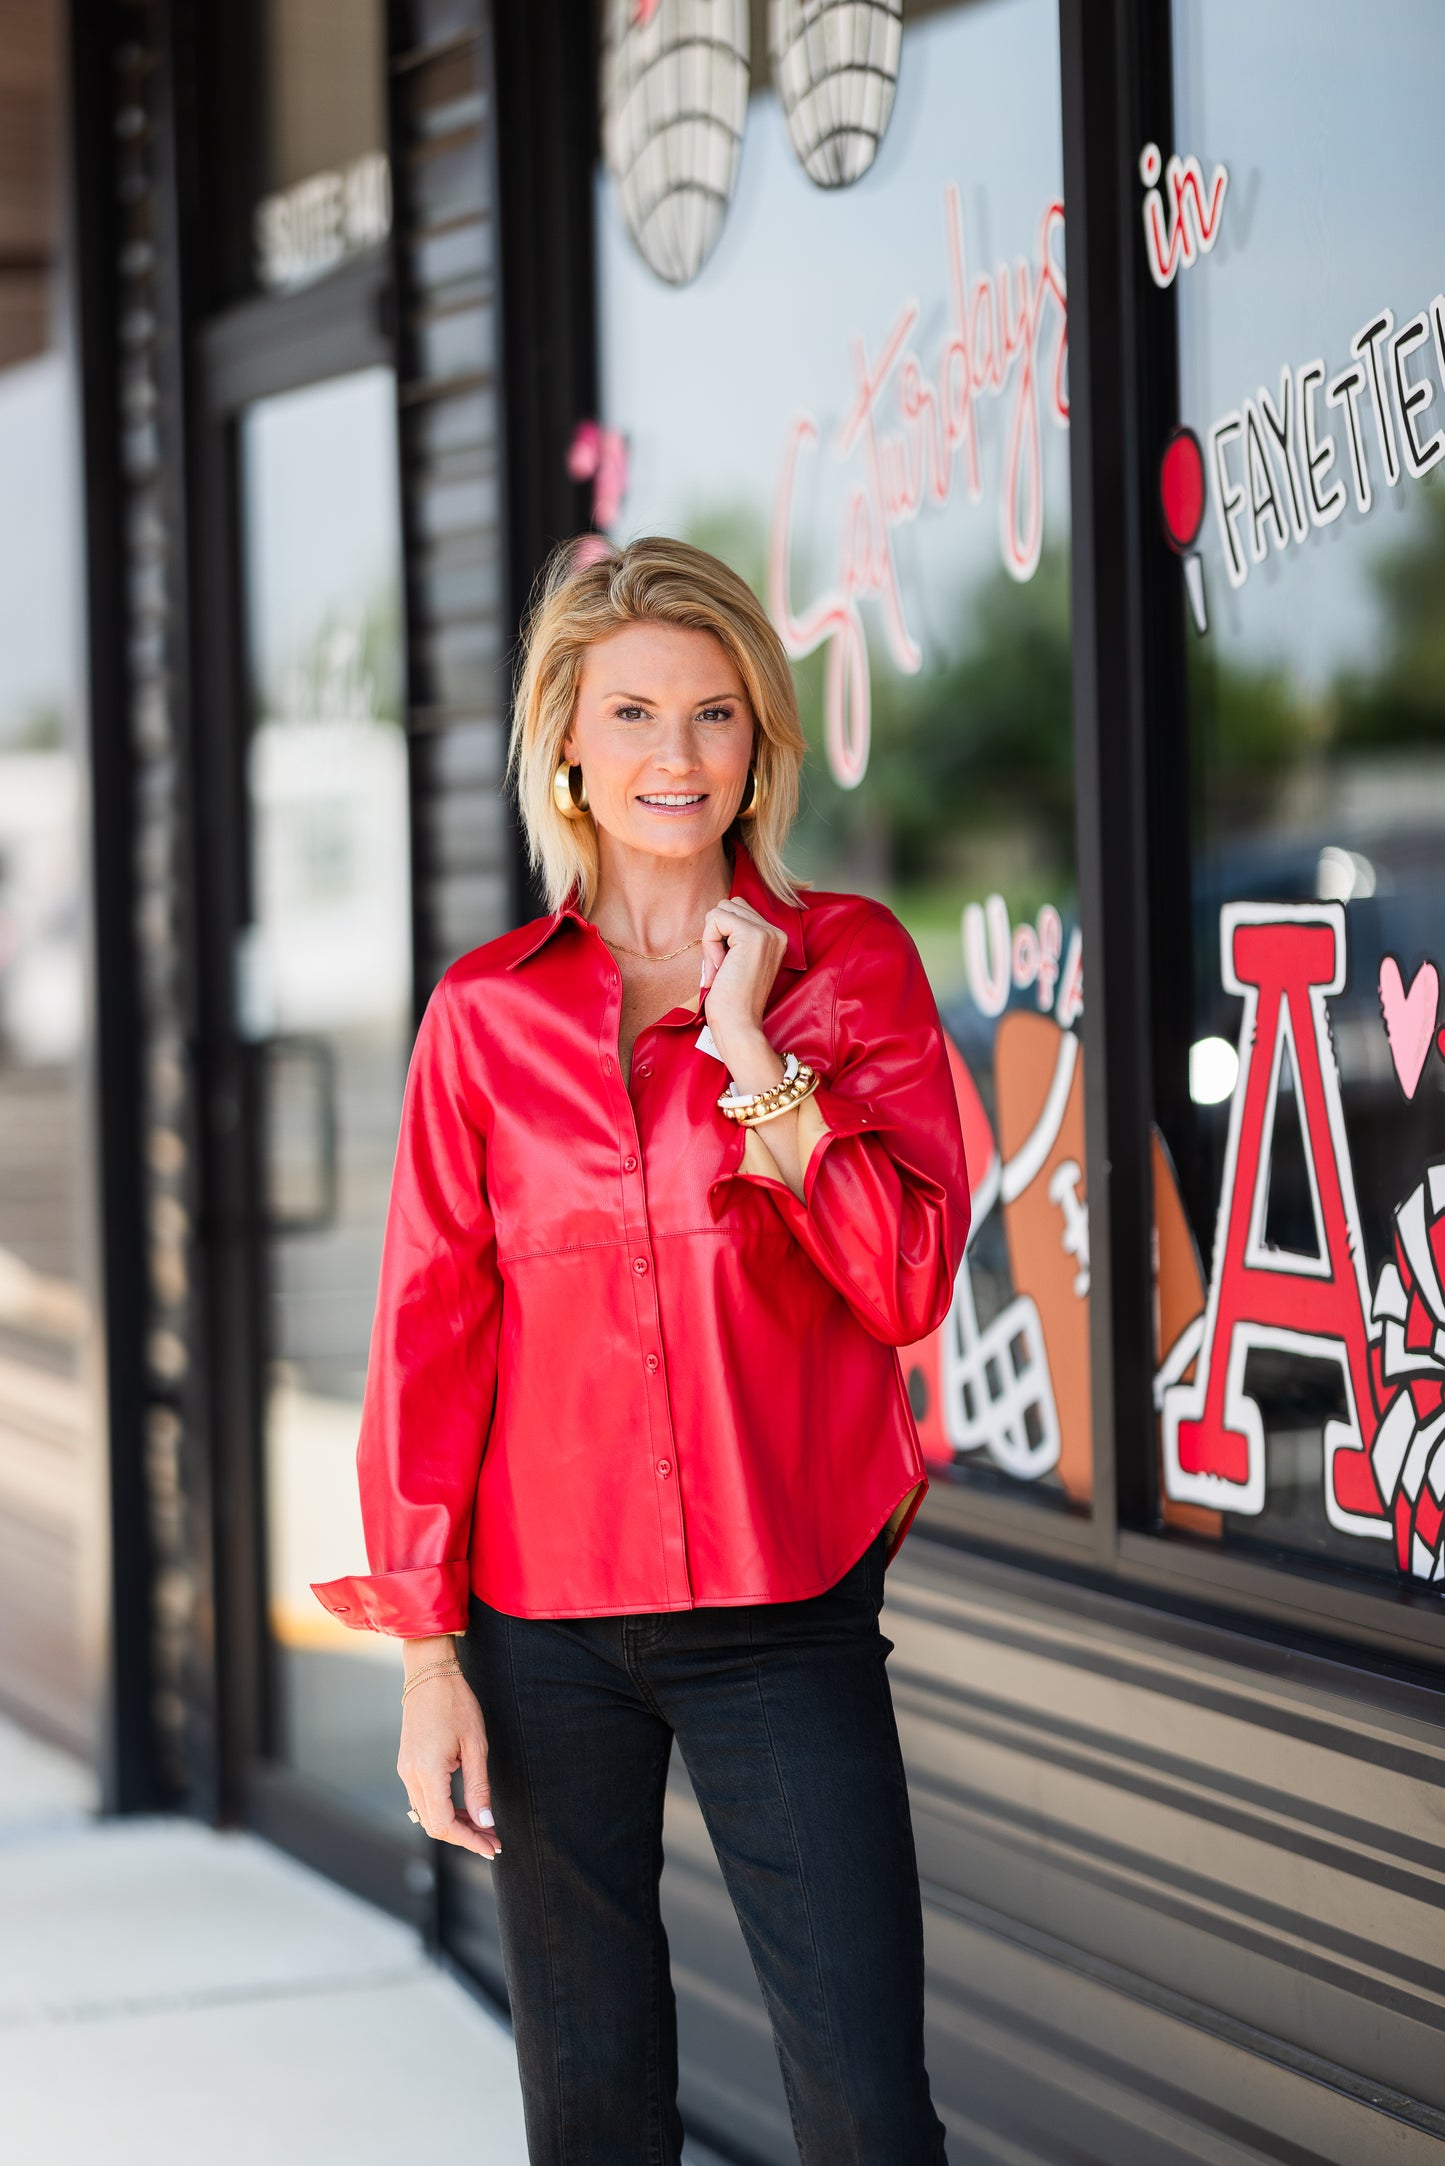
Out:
{"x": 132, "y": 332}
{"x": 1109, "y": 737}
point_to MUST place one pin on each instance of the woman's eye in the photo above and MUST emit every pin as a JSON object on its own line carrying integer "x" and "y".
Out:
{"x": 629, "y": 714}
{"x": 717, "y": 714}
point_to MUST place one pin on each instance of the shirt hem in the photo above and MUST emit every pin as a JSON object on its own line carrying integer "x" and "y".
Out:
{"x": 916, "y": 1487}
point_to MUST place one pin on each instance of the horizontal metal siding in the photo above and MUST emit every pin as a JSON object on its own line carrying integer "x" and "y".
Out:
{"x": 1182, "y": 1892}
{"x": 465, "y": 877}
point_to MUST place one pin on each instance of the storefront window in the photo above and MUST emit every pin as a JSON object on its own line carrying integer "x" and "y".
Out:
{"x": 53, "y": 1577}
{"x": 1303, "y": 1404}
{"x": 324, "y": 988}
{"x": 833, "y": 350}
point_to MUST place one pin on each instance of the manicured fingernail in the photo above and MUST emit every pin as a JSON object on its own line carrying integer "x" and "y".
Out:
{"x": 482, "y": 1814}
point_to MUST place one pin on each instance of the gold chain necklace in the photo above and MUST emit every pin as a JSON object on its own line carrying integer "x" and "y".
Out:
{"x": 642, "y": 954}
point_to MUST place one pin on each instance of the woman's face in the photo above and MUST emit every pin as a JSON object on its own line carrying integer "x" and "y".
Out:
{"x": 663, "y": 733}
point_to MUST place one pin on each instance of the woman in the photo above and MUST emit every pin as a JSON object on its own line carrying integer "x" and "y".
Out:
{"x": 680, "y": 1168}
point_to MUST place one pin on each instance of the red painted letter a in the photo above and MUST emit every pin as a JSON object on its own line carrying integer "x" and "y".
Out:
{"x": 1284, "y": 961}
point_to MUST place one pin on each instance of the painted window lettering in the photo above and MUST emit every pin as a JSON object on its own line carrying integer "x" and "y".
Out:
{"x": 1178, "y": 237}
{"x": 1271, "y": 458}
{"x": 907, "y": 435}
{"x": 1384, "y": 1462}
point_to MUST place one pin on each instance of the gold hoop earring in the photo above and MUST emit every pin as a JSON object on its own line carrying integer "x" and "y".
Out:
{"x": 748, "y": 809}
{"x": 569, "y": 796}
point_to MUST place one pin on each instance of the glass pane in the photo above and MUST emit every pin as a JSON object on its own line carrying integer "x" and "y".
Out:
{"x": 325, "y": 78}
{"x": 1304, "y": 1411}
{"x": 324, "y": 984}
{"x": 53, "y": 1574}
{"x": 325, "y": 190}
{"x": 853, "y": 387}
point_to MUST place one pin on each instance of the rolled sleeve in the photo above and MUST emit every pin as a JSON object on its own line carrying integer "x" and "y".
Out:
{"x": 885, "y": 1211}
{"x": 416, "y": 1604}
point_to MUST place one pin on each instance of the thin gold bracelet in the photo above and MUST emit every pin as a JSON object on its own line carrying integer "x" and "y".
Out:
{"x": 436, "y": 1669}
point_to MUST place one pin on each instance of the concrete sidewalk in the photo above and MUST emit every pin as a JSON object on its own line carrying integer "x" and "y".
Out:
{"x": 168, "y": 1993}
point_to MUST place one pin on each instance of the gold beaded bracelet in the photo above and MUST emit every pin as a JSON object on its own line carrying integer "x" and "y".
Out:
{"x": 799, "y": 1081}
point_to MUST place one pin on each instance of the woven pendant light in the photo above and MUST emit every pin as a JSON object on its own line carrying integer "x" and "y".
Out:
{"x": 835, "y": 69}
{"x": 674, "y": 102}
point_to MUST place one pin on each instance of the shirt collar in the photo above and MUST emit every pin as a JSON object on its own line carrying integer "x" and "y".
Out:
{"x": 747, "y": 885}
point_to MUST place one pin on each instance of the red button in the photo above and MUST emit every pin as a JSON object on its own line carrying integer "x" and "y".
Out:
{"x": 607, "y": 1064}
{"x": 639, "y": 1265}
{"x": 652, "y": 1364}
{"x": 629, "y": 1165}
{"x": 646, "y": 1068}
{"x": 664, "y": 1468}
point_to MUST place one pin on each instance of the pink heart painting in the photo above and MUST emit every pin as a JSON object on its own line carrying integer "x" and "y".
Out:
{"x": 1409, "y": 1018}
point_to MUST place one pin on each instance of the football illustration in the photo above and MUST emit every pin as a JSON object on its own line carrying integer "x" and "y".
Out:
{"x": 986, "y": 1388}
{"x": 1039, "y": 1085}
{"x": 995, "y": 1388}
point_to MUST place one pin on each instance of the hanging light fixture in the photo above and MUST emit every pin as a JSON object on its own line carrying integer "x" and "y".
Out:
{"x": 835, "y": 68}
{"x": 674, "y": 101}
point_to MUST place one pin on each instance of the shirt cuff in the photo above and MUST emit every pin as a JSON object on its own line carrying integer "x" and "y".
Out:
{"x": 420, "y": 1602}
{"x": 822, "y": 1119}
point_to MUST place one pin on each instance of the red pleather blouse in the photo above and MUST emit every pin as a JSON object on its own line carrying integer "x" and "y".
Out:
{"x": 611, "y": 1371}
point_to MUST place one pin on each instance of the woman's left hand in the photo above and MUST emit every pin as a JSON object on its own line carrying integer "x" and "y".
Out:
{"x": 741, "y": 954}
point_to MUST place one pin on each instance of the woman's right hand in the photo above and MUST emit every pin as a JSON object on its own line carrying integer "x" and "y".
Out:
{"x": 442, "y": 1730}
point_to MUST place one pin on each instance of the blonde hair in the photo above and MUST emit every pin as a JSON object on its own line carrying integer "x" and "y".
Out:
{"x": 584, "y": 594}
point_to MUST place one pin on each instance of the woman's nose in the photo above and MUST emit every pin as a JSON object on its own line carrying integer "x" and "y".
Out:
{"x": 677, "y": 753}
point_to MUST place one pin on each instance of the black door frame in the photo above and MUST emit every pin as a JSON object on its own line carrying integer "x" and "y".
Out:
{"x": 255, "y": 350}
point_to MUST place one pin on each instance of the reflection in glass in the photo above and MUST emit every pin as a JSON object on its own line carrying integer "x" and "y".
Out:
{"x": 1313, "y": 376}
{"x": 325, "y": 82}
{"x": 324, "y": 990}
{"x": 861, "y": 402}
{"x": 53, "y": 1577}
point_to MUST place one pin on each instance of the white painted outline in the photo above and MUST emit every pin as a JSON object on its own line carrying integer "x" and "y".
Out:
{"x": 1319, "y": 451}
{"x": 1414, "y": 398}
{"x": 1267, "y": 504}
{"x": 1366, "y": 344}
{"x": 1258, "y": 1255}
{"x": 1186, "y": 1402}
{"x": 1229, "y": 501}
{"x": 988, "y": 953}
{"x": 1028, "y": 1160}
{"x": 1000, "y": 1426}
{"x": 1279, "y": 421}
{"x": 1344, "y": 390}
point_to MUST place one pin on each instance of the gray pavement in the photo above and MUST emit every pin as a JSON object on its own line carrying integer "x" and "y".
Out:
{"x": 169, "y": 1994}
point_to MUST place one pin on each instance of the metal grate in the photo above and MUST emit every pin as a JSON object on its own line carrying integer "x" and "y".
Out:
{"x": 446, "y": 259}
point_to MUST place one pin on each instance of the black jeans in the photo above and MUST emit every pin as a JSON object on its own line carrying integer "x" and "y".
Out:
{"x": 784, "y": 1719}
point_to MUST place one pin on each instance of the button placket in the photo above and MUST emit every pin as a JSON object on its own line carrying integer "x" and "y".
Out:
{"x": 656, "y": 1410}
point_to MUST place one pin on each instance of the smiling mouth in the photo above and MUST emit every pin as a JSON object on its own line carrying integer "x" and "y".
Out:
{"x": 672, "y": 800}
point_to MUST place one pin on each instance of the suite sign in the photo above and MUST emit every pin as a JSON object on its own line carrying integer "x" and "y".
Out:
{"x": 304, "y": 231}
